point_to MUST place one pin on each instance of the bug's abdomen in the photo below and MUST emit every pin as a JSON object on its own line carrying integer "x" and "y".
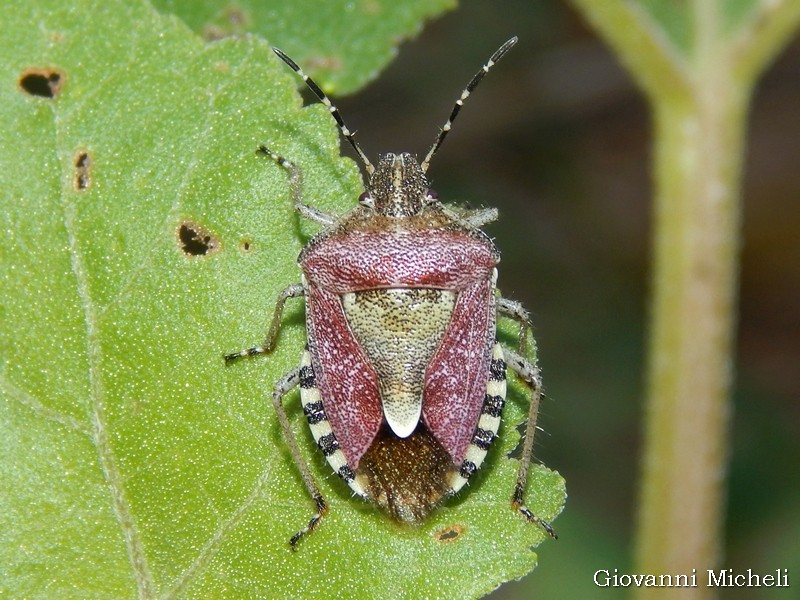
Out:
{"x": 409, "y": 477}
{"x": 406, "y": 477}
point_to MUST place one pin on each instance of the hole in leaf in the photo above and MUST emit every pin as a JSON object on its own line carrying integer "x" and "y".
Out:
{"x": 450, "y": 533}
{"x": 83, "y": 170}
{"x": 194, "y": 240}
{"x": 46, "y": 83}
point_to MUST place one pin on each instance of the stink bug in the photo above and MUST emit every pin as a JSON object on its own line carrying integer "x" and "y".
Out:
{"x": 402, "y": 379}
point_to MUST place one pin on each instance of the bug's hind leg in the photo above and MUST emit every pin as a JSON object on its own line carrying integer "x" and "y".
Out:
{"x": 284, "y": 385}
{"x": 530, "y": 375}
{"x": 528, "y": 372}
{"x": 515, "y": 310}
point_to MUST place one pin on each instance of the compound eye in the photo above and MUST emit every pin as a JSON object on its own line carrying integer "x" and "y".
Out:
{"x": 431, "y": 196}
{"x": 365, "y": 199}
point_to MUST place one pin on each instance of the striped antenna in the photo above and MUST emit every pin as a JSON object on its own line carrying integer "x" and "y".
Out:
{"x": 323, "y": 97}
{"x": 464, "y": 95}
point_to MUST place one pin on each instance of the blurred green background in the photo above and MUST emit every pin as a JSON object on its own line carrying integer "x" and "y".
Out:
{"x": 558, "y": 138}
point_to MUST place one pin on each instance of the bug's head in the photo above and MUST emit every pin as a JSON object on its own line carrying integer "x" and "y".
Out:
{"x": 398, "y": 187}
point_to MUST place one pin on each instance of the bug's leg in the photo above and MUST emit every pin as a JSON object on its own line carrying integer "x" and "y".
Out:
{"x": 295, "y": 290}
{"x": 515, "y": 310}
{"x": 296, "y": 184}
{"x": 283, "y": 387}
{"x": 530, "y": 375}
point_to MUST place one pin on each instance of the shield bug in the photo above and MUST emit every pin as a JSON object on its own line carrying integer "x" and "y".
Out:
{"x": 402, "y": 380}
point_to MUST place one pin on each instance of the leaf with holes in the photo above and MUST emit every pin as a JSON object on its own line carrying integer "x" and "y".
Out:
{"x": 144, "y": 237}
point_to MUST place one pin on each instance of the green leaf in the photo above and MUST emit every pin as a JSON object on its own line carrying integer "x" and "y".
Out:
{"x": 341, "y": 43}
{"x": 134, "y": 463}
{"x": 673, "y": 48}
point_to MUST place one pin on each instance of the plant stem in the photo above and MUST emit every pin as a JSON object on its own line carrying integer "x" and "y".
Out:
{"x": 699, "y": 95}
{"x": 699, "y": 149}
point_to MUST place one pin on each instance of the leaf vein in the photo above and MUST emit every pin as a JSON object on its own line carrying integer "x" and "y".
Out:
{"x": 211, "y": 547}
{"x": 46, "y": 412}
{"x": 108, "y": 460}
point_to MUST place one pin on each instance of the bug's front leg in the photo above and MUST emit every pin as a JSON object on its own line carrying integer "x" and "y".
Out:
{"x": 530, "y": 375}
{"x": 284, "y": 385}
{"x": 295, "y": 290}
{"x": 296, "y": 185}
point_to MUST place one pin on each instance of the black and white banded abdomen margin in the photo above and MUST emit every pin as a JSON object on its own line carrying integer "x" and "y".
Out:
{"x": 320, "y": 427}
{"x": 489, "y": 422}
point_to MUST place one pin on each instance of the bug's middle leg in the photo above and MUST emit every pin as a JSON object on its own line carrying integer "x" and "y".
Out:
{"x": 295, "y": 290}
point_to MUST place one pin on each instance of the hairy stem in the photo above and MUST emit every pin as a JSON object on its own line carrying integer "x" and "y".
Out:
{"x": 698, "y": 160}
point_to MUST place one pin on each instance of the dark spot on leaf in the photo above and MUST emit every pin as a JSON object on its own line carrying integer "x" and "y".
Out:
{"x": 212, "y": 33}
{"x": 246, "y": 245}
{"x": 326, "y": 63}
{"x": 195, "y": 240}
{"x": 237, "y": 17}
{"x": 234, "y": 21}
{"x": 450, "y": 533}
{"x": 83, "y": 170}
{"x": 46, "y": 83}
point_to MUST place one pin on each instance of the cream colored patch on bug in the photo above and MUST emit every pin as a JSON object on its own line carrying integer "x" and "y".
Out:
{"x": 320, "y": 430}
{"x": 475, "y": 455}
{"x": 399, "y": 330}
{"x": 337, "y": 460}
{"x": 489, "y": 423}
{"x": 359, "y": 485}
{"x": 456, "y": 482}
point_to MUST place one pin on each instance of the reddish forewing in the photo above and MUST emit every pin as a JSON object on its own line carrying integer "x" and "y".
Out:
{"x": 456, "y": 378}
{"x": 455, "y": 382}
{"x": 347, "y": 382}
